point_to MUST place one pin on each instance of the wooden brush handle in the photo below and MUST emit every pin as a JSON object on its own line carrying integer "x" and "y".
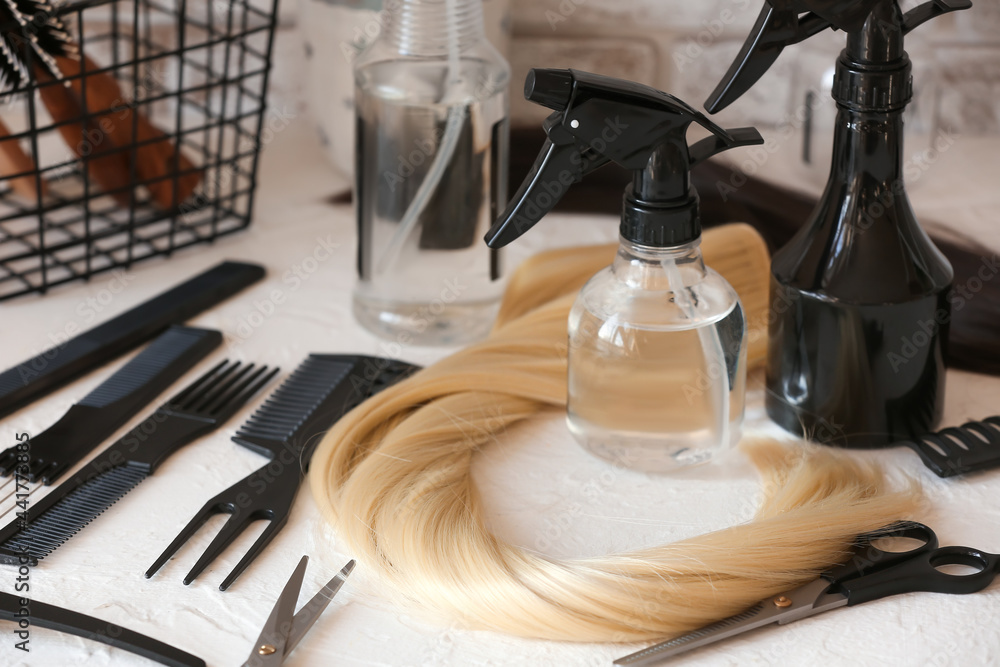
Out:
{"x": 156, "y": 156}
{"x": 13, "y": 160}
{"x": 107, "y": 167}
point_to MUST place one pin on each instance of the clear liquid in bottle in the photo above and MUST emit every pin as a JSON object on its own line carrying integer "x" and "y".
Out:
{"x": 653, "y": 366}
{"x": 431, "y": 173}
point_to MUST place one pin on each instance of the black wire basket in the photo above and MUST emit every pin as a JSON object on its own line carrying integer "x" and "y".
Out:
{"x": 88, "y": 201}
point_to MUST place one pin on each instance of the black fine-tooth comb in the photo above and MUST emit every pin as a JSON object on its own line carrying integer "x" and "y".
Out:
{"x": 108, "y": 407}
{"x": 956, "y": 451}
{"x": 200, "y": 409}
{"x": 286, "y": 429}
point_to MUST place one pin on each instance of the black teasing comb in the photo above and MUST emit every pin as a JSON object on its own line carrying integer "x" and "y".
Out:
{"x": 956, "y": 451}
{"x": 108, "y": 407}
{"x": 286, "y": 429}
{"x": 200, "y": 409}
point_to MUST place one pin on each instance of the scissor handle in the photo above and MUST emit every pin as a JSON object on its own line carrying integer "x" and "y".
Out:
{"x": 921, "y": 573}
{"x": 867, "y": 558}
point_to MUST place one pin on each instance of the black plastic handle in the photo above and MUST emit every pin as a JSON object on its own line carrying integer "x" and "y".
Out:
{"x": 108, "y": 407}
{"x": 844, "y": 15}
{"x": 782, "y": 23}
{"x": 873, "y": 573}
{"x": 601, "y": 119}
{"x": 775, "y": 29}
{"x": 59, "y": 365}
{"x": 711, "y": 146}
{"x": 959, "y": 450}
{"x": 156, "y": 438}
{"x": 922, "y": 573}
{"x": 867, "y": 557}
{"x": 921, "y": 14}
{"x": 559, "y": 165}
{"x": 74, "y": 623}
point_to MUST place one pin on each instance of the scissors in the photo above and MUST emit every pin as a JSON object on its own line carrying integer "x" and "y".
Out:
{"x": 282, "y": 632}
{"x": 870, "y": 574}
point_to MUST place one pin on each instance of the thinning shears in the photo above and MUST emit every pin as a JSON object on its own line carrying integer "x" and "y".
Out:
{"x": 870, "y": 574}
{"x": 282, "y": 631}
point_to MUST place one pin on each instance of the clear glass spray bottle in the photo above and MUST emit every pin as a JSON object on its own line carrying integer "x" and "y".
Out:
{"x": 431, "y": 109}
{"x": 657, "y": 359}
{"x": 657, "y": 341}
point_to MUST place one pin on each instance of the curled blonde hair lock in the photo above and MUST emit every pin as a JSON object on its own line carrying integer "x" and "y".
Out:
{"x": 393, "y": 477}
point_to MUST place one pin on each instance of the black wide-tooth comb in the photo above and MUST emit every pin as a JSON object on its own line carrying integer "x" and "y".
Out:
{"x": 286, "y": 429}
{"x": 200, "y": 409}
{"x": 108, "y": 407}
{"x": 956, "y": 451}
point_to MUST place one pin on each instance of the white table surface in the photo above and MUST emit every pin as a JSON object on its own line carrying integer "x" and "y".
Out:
{"x": 531, "y": 481}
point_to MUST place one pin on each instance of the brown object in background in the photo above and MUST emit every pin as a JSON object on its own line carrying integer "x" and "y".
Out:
{"x": 107, "y": 166}
{"x": 115, "y": 115}
{"x": 156, "y": 156}
{"x": 13, "y": 160}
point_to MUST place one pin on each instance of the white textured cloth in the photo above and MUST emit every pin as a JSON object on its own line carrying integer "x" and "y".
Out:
{"x": 541, "y": 490}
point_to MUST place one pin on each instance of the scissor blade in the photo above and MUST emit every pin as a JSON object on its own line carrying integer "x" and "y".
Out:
{"x": 309, "y": 613}
{"x": 269, "y": 650}
{"x": 807, "y": 600}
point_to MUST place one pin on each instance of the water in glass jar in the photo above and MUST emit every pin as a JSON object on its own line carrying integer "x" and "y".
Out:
{"x": 433, "y": 281}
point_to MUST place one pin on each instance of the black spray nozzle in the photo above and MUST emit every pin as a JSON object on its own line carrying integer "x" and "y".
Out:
{"x": 785, "y": 22}
{"x": 550, "y": 88}
{"x": 600, "y": 119}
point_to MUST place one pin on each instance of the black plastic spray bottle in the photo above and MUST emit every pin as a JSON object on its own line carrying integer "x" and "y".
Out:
{"x": 860, "y": 296}
{"x": 647, "y": 333}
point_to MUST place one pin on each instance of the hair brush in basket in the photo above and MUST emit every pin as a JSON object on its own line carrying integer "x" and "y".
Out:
{"x": 31, "y": 32}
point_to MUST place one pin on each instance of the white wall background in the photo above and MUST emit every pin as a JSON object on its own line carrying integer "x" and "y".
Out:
{"x": 685, "y": 47}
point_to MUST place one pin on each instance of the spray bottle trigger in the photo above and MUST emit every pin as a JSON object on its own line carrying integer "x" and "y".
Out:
{"x": 775, "y": 29}
{"x": 844, "y": 15}
{"x": 921, "y": 14}
{"x": 559, "y": 165}
{"x": 713, "y": 145}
